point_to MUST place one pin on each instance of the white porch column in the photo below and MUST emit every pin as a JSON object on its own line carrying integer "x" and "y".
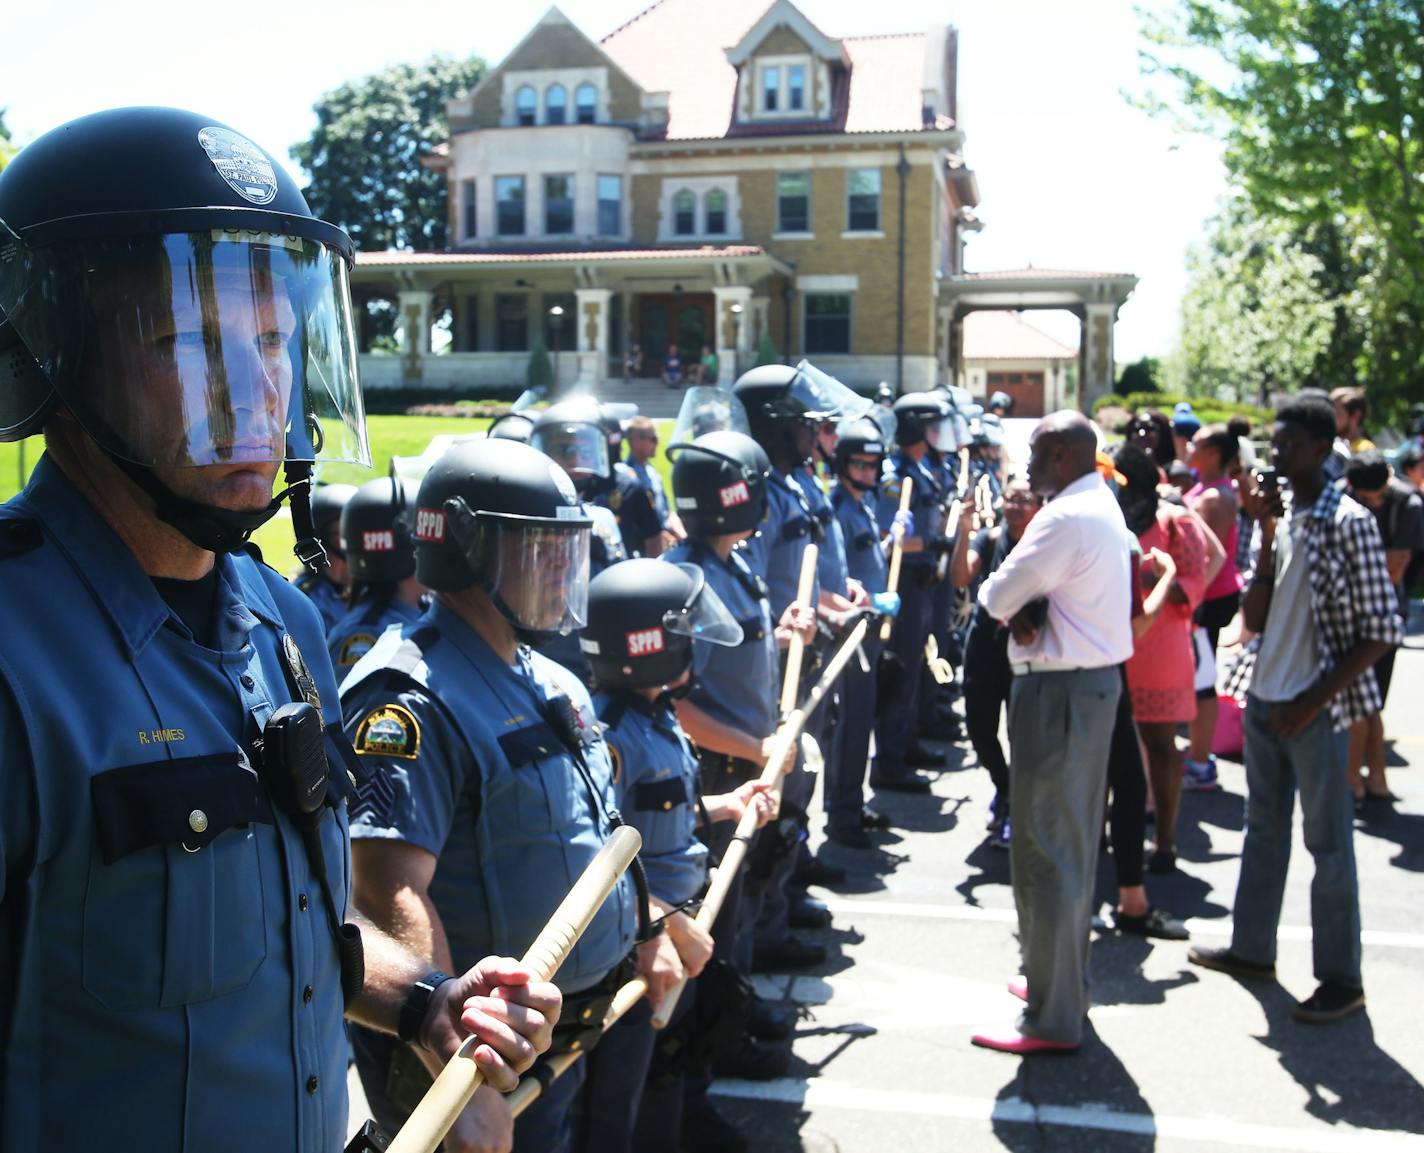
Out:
{"x": 592, "y": 311}
{"x": 733, "y": 332}
{"x": 1097, "y": 354}
{"x": 415, "y": 333}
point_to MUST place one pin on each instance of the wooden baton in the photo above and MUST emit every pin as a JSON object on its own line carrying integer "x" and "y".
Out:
{"x": 892, "y": 583}
{"x": 431, "y": 1120}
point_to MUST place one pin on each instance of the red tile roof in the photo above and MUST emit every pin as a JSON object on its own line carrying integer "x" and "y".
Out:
{"x": 680, "y": 47}
{"x": 590, "y": 255}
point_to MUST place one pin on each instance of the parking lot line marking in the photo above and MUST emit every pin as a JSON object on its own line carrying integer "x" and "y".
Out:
{"x": 1211, "y": 1131}
{"x": 1221, "y": 928}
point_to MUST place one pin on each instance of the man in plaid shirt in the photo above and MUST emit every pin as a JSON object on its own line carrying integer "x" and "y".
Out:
{"x": 1322, "y": 602}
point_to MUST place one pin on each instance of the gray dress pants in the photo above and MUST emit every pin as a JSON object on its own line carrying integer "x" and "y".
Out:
{"x": 1060, "y": 727}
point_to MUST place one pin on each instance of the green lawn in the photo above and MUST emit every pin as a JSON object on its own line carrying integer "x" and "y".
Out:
{"x": 390, "y": 436}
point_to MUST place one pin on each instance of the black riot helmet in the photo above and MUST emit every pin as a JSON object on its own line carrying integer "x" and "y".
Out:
{"x": 776, "y": 397}
{"x": 924, "y": 417}
{"x": 327, "y": 501}
{"x": 511, "y": 426}
{"x": 573, "y": 434}
{"x": 859, "y": 438}
{"x": 503, "y": 516}
{"x": 163, "y": 280}
{"x": 376, "y": 532}
{"x": 719, "y": 483}
{"x": 643, "y": 616}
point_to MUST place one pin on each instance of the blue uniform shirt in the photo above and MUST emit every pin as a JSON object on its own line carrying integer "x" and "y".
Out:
{"x": 648, "y": 477}
{"x": 775, "y": 552}
{"x": 737, "y": 686}
{"x": 656, "y": 773}
{"x": 865, "y": 558}
{"x": 467, "y": 762}
{"x": 924, "y": 503}
{"x": 158, "y": 958}
{"x": 831, "y": 569}
{"x": 355, "y": 634}
{"x": 325, "y": 595}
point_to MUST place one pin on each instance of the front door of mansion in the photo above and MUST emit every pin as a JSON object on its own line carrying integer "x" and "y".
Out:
{"x": 684, "y": 319}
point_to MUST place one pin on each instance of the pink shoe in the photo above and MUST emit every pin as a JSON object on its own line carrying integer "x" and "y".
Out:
{"x": 1021, "y": 1044}
{"x": 1018, "y": 986}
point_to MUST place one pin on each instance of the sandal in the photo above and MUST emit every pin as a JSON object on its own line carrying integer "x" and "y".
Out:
{"x": 1153, "y": 923}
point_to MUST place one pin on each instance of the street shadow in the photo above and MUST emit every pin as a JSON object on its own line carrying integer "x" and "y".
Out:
{"x": 991, "y": 867}
{"x": 1406, "y": 830}
{"x": 1117, "y": 979}
{"x": 924, "y": 814}
{"x": 774, "y": 1126}
{"x": 866, "y": 869}
{"x": 1221, "y": 809}
{"x": 1179, "y": 892}
{"x": 1347, "y": 1077}
{"x": 1020, "y": 1125}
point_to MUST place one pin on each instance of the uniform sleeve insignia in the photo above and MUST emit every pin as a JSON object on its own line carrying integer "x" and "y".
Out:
{"x": 388, "y": 731}
{"x": 892, "y": 487}
{"x": 617, "y": 758}
{"x": 356, "y": 646}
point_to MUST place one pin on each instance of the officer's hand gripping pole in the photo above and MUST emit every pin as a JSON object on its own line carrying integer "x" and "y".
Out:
{"x": 892, "y": 584}
{"x": 427, "y": 1125}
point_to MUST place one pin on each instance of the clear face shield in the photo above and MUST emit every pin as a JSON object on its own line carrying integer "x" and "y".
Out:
{"x": 706, "y": 409}
{"x": 824, "y": 397}
{"x": 538, "y": 572}
{"x": 941, "y": 435}
{"x": 704, "y": 617}
{"x": 193, "y": 349}
{"x": 581, "y": 450}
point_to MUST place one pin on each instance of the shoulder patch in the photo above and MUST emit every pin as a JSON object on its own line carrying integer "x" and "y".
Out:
{"x": 19, "y": 535}
{"x": 353, "y": 648}
{"x": 388, "y": 731}
{"x": 891, "y": 486}
{"x": 617, "y": 758}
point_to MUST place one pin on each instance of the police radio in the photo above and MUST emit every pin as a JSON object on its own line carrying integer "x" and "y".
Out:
{"x": 292, "y": 754}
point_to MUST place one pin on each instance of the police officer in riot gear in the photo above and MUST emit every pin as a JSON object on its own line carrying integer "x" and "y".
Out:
{"x": 176, "y": 322}
{"x": 859, "y": 457}
{"x": 376, "y": 528}
{"x": 922, "y": 420}
{"x": 328, "y": 589}
{"x": 645, "y": 618}
{"x": 720, "y": 485}
{"x": 492, "y": 788}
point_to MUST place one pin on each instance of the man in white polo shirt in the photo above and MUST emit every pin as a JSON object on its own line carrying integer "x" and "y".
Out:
{"x": 1065, "y": 593}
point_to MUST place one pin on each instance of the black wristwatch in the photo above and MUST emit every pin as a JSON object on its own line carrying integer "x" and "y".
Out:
{"x": 417, "y": 1004}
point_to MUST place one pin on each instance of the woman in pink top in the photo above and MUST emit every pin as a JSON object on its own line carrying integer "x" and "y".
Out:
{"x": 1162, "y": 669}
{"x": 1213, "y": 455}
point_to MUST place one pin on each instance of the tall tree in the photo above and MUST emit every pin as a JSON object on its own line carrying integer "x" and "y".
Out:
{"x": 1320, "y": 104}
{"x": 365, "y": 155}
{"x": 1256, "y": 318}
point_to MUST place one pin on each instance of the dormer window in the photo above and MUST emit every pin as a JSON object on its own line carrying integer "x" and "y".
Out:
{"x": 795, "y": 87}
{"x": 526, "y": 106}
{"x": 783, "y": 86}
{"x": 586, "y": 103}
{"x": 556, "y": 101}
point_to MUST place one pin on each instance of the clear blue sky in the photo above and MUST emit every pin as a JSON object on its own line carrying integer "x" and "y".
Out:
{"x": 1070, "y": 174}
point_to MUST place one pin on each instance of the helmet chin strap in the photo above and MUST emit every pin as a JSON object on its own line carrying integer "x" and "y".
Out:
{"x": 224, "y": 530}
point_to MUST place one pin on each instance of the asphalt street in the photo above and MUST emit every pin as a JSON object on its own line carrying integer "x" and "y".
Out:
{"x": 1177, "y": 1058}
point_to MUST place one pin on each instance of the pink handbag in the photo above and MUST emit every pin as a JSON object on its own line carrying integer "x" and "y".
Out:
{"x": 1229, "y": 740}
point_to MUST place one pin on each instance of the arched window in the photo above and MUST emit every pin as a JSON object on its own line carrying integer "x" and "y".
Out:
{"x": 556, "y": 104}
{"x": 684, "y": 213}
{"x": 526, "y": 106}
{"x": 586, "y": 103}
{"x": 714, "y": 206}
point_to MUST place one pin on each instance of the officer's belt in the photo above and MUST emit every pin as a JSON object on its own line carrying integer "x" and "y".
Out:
{"x": 718, "y": 769}
{"x": 581, "y": 1019}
